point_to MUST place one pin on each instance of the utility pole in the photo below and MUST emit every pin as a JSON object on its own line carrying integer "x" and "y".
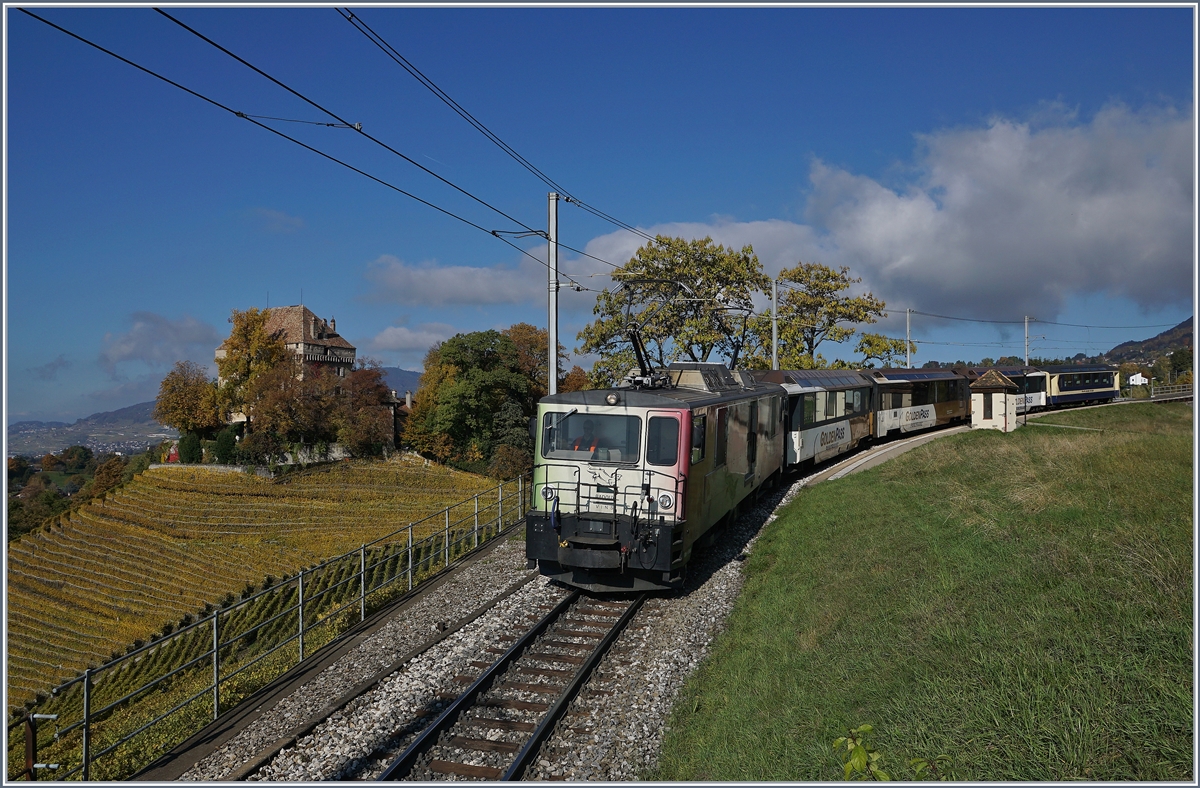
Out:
{"x": 552, "y": 331}
{"x": 908, "y": 338}
{"x": 774, "y": 325}
{"x": 1026, "y": 340}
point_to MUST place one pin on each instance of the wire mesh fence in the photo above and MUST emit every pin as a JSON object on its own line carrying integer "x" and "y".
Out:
{"x": 113, "y": 720}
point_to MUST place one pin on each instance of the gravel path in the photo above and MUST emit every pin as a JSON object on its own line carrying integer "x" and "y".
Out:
{"x": 614, "y": 729}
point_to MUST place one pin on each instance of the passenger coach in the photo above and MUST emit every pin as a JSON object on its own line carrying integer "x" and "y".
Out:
{"x": 1032, "y": 384}
{"x": 1078, "y": 384}
{"x": 917, "y": 399}
{"x": 828, "y": 412}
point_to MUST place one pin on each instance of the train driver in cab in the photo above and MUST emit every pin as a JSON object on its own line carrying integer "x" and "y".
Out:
{"x": 589, "y": 440}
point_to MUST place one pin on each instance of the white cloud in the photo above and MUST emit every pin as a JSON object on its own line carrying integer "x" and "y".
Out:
{"x": 157, "y": 341}
{"x": 273, "y": 221}
{"x": 1013, "y": 218}
{"x": 141, "y": 389}
{"x": 1005, "y": 220}
{"x": 427, "y": 284}
{"x": 50, "y": 371}
{"x": 403, "y": 338}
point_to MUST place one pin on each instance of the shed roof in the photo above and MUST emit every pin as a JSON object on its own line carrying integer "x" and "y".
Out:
{"x": 994, "y": 379}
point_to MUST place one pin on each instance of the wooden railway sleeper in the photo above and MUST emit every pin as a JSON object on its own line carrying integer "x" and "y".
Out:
{"x": 462, "y": 716}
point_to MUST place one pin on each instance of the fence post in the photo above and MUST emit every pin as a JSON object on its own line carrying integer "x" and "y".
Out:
{"x": 500, "y": 509}
{"x": 300, "y": 605}
{"x": 216, "y": 665}
{"x": 446, "y": 542}
{"x": 362, "y": 583}
{"x": 477, "y": 519}
{"x": 410, "y": 557}
{"x": 87, "y": 724}
{"x": 30, "y": 746}
{"x": 520, "y": 497}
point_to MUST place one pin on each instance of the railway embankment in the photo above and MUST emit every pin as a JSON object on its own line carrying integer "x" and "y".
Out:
{"x": 1022, "y": 603}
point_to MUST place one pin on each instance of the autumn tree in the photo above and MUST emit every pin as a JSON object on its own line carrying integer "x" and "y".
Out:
{"x": 249, "y": 351}
{"x": 887, "y": 351}
{"x": 575, "y": 380}
{"x": 108, "y": 476}
{"x": 187, "y": 400}
{"x": 691, "y": 300}
{"x": 361, "y": 417}
{"x": 76, "y": 458}
{"x": 813, "y": 308}
{"x": 533, "y": 357}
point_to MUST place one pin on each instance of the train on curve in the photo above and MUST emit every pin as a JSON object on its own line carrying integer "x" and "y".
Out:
{"x": 629, "y": 481}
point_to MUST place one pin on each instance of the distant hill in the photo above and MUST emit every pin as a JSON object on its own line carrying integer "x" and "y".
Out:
{"x": 1146, "y": 350}
{"x": 127, "y": 430}
{"x": 401, "y": 380}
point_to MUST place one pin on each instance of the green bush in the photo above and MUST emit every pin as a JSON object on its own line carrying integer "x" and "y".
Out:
{"x": 226, "y": 446}
{"x": 189, "y": 448}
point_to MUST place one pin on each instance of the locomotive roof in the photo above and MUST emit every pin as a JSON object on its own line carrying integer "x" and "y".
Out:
{"x": 665, "y": 397}
{"x": 1067, "y": 368}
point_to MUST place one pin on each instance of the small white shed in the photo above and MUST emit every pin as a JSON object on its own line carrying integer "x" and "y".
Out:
{"x": 1138, "y": 379}
{"x": 994, "y": 402}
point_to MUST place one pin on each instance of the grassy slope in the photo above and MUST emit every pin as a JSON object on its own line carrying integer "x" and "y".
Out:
{"x": 172, "y": 540}
{"x": 1021, "y": 602}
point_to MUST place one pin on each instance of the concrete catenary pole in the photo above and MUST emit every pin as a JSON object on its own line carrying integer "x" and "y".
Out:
{"x": 774, "y": 325}
{"x": 552, "y": 330}
{"x": 908, "y": 338}
{"x": 1026, "y": 340}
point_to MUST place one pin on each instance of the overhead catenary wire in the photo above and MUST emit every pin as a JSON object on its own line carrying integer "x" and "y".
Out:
{"x": 343, "y": 121}
{"x": 236, "y": 113}
{"x": 430, "y": 85}
{"x": 358, "y": 127}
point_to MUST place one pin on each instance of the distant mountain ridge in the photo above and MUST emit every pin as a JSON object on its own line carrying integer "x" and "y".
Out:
{"x": 127, "y": 430}
{"x": 401, "y": 380}
{"x": 1147, "y": 350}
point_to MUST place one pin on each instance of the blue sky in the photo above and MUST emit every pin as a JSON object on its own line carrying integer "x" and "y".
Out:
{"x": 986, "y": 163}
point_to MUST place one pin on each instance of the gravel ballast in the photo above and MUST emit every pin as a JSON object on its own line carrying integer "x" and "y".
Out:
{"x": 613, "y": 730}
{"x": 462, "y": 592}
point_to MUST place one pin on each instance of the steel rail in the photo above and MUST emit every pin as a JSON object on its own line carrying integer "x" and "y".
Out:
{"x": 402, "y": 766}
{"x": 559, "y": 707}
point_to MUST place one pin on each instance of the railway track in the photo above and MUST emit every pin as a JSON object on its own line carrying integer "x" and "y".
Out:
{"x": 494, "y": 729}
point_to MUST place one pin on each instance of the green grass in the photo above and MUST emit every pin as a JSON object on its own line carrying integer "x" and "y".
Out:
{"x": 1021, "y": 602}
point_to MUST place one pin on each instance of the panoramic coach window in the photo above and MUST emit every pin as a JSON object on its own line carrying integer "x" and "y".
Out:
{"x": 662, "y": 441}
{"x": 810, "y": 409}
{"x": 591, "y": 436}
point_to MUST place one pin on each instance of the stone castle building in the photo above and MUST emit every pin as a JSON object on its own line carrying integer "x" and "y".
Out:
{"x": 313, "y": 340}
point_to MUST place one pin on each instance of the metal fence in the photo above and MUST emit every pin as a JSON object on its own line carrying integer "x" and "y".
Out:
{"x": 122, "y": 715}
{"x": 1180, "y": 390}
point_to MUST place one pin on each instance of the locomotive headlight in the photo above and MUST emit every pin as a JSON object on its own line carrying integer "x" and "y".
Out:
{"x": 665, "y": 501}
{"x": 612, "y": 399}
{"x": 547, "y": 492}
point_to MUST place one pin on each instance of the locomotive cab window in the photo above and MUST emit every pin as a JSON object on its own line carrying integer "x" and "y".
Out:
{"x": 662, "y": 441}
{"x": 596, "y": 437}
{"x": 699, "y": 424}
